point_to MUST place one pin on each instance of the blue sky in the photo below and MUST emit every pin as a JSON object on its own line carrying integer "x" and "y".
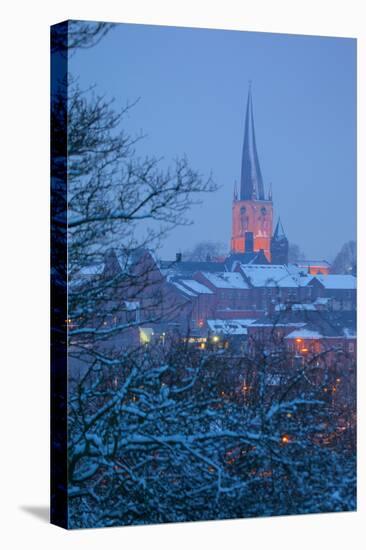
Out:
{"x": 193, "y": 84}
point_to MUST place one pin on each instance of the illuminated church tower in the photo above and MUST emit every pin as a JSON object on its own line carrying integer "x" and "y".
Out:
{"x": 252, "y": 212}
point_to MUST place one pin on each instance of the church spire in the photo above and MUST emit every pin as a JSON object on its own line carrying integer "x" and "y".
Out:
{"x": 251, "y": 184}
{"x": 279, "y": 245}
{"x": 279, "y": 232}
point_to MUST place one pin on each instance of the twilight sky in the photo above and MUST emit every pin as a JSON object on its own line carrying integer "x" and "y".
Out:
{"x": 193, "y": 84}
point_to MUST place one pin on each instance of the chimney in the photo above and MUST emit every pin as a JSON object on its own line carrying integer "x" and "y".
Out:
{"x": 178, "y": 257}
{"x": 249, "y": 244}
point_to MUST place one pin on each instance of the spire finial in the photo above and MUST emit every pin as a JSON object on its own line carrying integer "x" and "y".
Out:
{"x": 235, "y": 191}
{"x": 270, "y": 192}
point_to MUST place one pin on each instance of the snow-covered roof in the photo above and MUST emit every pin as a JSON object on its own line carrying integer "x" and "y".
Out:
{"x": 183, "y": 268}
{"x": 337, "y": 282}
{"x": 279, "y": 324}
{"x": 349, "y": 333}
{"x": 195, "y": 286}
{"x": 131, "y": 306}
{"x": 305, "y": 334}
{"x": 295, "y": 307}
{"x": 229, "y": 326}
{"x": 92, "y": 270}
{"x": 226, "y": 279}
{"x": 313, "y": 263}
{"x": 322, "y": 301}
{"x": 312, "y": 334}
{"x": 300, "y": 274}
{"x": 269, "y": 275}
{"x": 184, "y": 289}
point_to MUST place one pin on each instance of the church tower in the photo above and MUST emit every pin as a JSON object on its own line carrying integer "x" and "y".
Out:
{"x": 279, "y": 245}
{"x": 252, "y": 212}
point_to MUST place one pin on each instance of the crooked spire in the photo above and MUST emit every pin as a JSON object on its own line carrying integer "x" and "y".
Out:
{"x": 251, "y": 183}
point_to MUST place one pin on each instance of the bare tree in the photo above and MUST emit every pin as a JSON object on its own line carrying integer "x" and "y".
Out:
{"x": 119, "y": 202}
{"x": 76, "y": 35}
{"x": 177, "y": 434}
{"x": 205, "y": 250}
{"x": 295, "y": 253}
{"x": 346, "y": 260}
{"x": 116, "y": 205}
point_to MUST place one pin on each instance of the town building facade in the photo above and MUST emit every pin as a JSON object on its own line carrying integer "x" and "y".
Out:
{"x": 245, "y": 289}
